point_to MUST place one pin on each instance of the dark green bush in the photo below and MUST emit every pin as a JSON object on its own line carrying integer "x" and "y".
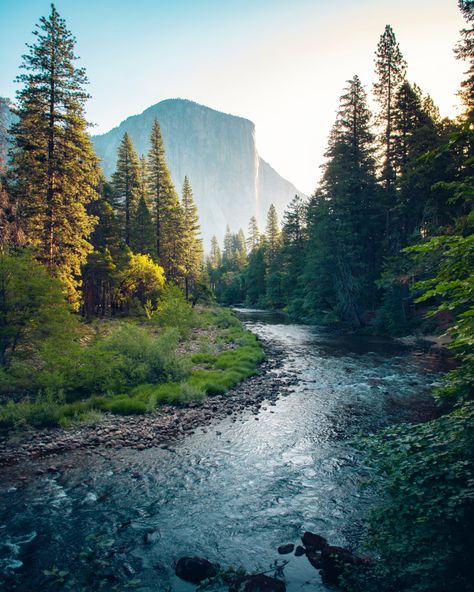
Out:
{"x": 424, "y": 532}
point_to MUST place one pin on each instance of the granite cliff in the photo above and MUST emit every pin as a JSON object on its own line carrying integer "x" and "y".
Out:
{"x": 217, "y": 152}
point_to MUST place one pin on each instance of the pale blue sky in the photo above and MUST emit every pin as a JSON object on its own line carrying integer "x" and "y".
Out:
{"x": 280, "y": 63}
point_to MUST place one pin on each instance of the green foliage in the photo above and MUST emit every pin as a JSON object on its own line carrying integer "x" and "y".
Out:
{"x": 452, "y": 289}
{"x": 219, "y": 372}
{"x": 173, "y": 310}
{"x": 140, "y": 357}
{"x": 166, "y": 209}
{"x": 423, "y": 533}
{"x": 34, "y": 318}
{"x": 126, "y": 406}
{"x": 192, "y": 244}
{"x": 126, "y": 185}
{"x": 142, "y": 279}
{"x": 130, "y": 369}
{"x": 55, "y": 170}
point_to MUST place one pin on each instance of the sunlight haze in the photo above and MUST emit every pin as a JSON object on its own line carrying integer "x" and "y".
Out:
{"x": 281, "y": 64}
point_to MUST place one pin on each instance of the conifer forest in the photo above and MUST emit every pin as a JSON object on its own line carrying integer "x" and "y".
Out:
{"x": 287, "y": 406}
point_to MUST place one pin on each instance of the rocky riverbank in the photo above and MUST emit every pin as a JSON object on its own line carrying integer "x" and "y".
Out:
{"x": 154, "y": 429}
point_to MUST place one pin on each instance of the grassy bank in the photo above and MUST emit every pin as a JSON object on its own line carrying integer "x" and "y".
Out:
{"x": 132, "y": 366}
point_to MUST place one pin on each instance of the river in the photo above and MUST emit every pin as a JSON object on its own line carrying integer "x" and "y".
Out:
{"x": 232, "y": 492}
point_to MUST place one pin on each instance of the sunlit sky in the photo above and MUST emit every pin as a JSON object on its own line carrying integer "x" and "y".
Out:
{"x": 280, "y": 63}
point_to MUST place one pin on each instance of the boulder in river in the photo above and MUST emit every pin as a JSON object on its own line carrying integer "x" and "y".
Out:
{"x": 195, "y": 569}
{"x": 299, "y": 551}
{"x": 257, "y": 583}
{"x": 285, "y": 549}
{"x": 314, "y": 542}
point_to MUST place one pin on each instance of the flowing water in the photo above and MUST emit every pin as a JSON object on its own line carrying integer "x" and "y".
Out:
{"x": 232, "y": 492}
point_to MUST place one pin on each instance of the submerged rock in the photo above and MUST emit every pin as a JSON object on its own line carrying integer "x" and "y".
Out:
{"x": 285, "y": 549}
{"x": 299, "y": 551}
{"x": 257, "y": 583}
{"x": 313, "y": 541}
{"x": 195, "y": 569}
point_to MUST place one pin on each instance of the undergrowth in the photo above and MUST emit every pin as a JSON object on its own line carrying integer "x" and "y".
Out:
{"x": 131, "y": 368}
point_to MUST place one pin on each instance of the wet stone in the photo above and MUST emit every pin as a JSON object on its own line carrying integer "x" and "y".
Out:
{"x": 285, "y": 549}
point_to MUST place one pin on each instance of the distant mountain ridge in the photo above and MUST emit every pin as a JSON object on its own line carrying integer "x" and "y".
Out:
{"x": 218, "y": 153}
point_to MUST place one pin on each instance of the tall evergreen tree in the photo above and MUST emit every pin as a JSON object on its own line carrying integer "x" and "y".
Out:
{"x": 253, "y": 239}
{"x": 214, "y": 262}
{"x": 344, "y": 222}
{"x": 228, "y": 253}
{"x": 390, "y": 68}
{"x": 162, "y": 192}
{"x": 240, "y": 248}
{"x": 126, "y": 183}
{"x": 274, "y": 277}
{"x": 272, "y": 233}
{"x": 215, "y": 256}
{"x": 101, "y": 270}
{"x": 54, "y": 165}
{"x": 192, "y": 243}
{"x": 293, "y": 250}
{"x": 414, "y": 134}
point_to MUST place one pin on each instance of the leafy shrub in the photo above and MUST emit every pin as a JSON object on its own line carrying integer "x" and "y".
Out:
{"x": 142, "y": 279}
{"x": 424, "y": 532}
{"x": 173, "y": 310}
{"x": 34, "y": 319}
{"x": 131, "y": 356}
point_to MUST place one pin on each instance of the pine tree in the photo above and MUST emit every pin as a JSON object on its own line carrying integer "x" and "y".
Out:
{"x": 162, "y": 191}
{"x": 192, "y": 244}
{"x": 172, "y": 244}
{"x": 144, "y": 187}
{"x": 215, "y": 257}
{"x": 272, "y": 233}
{"x": 126, "y": 183}
{"x": 390, "y": 68}
{"x": 240, "y": 249}
{"x": 228, "y": 253}
{"x": 142, "y": 230}
{"x": 293, "y": 250}
{"x": 344, "y": 222}
{"x": 414, "y": 134}
{"x": 54, "y": 166}
{"x": 253, "y": 239}
{"x": 213, "y": 264}
{"x": 101, "y": 271}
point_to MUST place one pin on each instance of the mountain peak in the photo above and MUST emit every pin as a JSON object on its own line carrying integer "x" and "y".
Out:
{"x": 217, "y": 152}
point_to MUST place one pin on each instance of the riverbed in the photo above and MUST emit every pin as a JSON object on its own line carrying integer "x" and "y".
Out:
{"x": 232, "y": 491}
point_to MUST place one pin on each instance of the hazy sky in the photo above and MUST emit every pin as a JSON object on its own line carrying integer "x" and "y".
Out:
{"x": 280, "y": 63}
